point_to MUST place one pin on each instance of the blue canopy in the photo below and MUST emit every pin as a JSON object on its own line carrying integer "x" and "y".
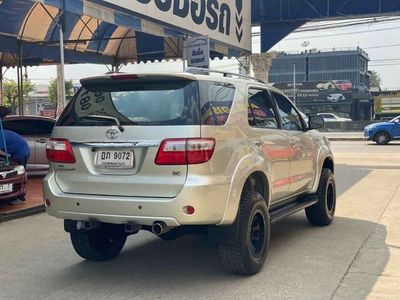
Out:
{"x": 93, "y": 34}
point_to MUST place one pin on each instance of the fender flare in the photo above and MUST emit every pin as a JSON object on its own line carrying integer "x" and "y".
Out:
{"x": 247, "y": 165}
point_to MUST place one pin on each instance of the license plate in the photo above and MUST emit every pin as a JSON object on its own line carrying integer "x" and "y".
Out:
{"x": 6, "y": 188}
{"x": 114, "y": 159}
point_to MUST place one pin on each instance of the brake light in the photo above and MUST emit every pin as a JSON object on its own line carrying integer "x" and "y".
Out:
{"x": 185, "y": 151}
{"x": 60, "y": 151}
{"x": 124, "y": 77}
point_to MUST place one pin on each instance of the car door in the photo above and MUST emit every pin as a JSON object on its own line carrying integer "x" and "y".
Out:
{"x": 396, "y": 128}
{"x": 302, "y": 148}
{"x": 41, "y": 134}
{"x": 269, "y": 140}
{"x": 23, "y": 130}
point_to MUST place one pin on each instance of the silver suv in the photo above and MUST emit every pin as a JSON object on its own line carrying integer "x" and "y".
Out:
{"x": 181, "y": 153}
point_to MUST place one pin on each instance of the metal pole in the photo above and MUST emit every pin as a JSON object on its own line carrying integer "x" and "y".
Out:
{"x": 1, "y": 85}
{"x": 61, "y": 80}
{"x": 294, "y": 84}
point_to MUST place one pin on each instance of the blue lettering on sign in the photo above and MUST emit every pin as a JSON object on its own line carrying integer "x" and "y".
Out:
{"x": 214, "y": 13}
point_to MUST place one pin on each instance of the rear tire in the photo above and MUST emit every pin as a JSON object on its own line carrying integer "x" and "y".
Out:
{"x": 99, "y": 244}
{"x": 323, "y": 212}
{"x": 382, "y": 138}
{"x": 248, "y": 254}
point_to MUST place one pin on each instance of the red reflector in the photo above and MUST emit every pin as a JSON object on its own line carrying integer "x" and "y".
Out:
{"x": 185, "y": 151}
{"x": 189, "y": 210}
{"x": 60, "y": 151}
{"x": 124, "y": 77}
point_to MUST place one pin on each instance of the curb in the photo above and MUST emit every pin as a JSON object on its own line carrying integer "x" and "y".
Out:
{"x": 22, "y": 213}
{"x": 345, "y": 139}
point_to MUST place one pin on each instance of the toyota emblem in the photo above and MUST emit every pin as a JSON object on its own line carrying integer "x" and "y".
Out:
{"x": 112, "y": 134}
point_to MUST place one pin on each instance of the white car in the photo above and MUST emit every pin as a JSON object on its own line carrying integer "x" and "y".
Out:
{"x": 336, "y": 97}
{"x": 325, "y": 85}
{"x": 329, "y": 117}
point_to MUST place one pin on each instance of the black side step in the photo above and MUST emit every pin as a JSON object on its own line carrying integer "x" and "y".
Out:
{"x": 287, "y": 208}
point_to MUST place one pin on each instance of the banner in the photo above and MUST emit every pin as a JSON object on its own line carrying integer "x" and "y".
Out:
{"x": 315, "y": 92}
{"x": 225, "y": 21}
{"x": 198, "y": 52}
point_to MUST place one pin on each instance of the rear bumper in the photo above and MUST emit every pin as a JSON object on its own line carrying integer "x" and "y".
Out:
{"x": 209, "y": 202}
{"x": 19, "y": 186}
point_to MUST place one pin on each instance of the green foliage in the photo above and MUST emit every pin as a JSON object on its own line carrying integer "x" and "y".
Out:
{"x": 10, "y": 93}
{"x": 53, "y": 90}
{"x": 375, "y": 79}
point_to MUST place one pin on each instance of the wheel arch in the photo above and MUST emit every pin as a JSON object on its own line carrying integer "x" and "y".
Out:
{"x": 258, "y": 182}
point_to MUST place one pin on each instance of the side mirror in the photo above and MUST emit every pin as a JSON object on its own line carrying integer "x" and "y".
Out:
{"x": 316, "y": 122}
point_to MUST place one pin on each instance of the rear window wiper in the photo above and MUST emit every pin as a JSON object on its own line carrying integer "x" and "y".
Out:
{"x": 107, "y": 118}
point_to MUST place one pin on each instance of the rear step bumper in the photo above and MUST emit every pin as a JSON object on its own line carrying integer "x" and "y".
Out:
{"x": 208, "y": 201}
{"x": 280, "y": 211}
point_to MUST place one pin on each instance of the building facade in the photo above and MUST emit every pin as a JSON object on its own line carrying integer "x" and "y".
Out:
{"x": 334, "y": 74}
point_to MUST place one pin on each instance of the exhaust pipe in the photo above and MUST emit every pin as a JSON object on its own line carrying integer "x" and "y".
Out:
{"x": 159, "y": 228}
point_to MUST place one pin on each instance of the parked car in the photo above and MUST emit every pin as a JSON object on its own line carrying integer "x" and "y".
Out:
{"x": 343, "y": 85}
{"x": 36, "y": 131}
{"x": 336, "y": 97}
{"x": 326, "y": 85}
{"x": 179, "y": 153}
{"x": 13, "y": 180}
{"x": 384, "y": 132}
{"x": 329, "y": 117}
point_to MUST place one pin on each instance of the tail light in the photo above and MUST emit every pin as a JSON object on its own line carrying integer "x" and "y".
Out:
{"x": 185, "y": 151}
{"x": 60, "y": 151}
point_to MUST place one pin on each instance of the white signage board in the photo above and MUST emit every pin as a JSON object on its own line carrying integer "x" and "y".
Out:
{"x": 198, "y": 52}
{"x": 225, "y": 21}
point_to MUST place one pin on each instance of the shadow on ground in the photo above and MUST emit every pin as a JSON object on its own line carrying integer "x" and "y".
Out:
{"x": 154, "y": 267}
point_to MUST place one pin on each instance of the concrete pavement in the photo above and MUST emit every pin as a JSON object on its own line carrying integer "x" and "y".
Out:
{"x": 357, "y": 257}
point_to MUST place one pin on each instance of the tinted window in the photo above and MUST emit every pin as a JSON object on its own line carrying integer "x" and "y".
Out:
{"x": 147, "y": 103}
{"x": 29, "y": 126}
{"x": 260, "y": 110}
{"x": 291, "y": 120}
{"x": 216, "y": 100}
{"x": 138, "y": 103}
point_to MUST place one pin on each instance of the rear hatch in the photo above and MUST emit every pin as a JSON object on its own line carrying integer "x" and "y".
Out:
{"x": 115, "y": 125}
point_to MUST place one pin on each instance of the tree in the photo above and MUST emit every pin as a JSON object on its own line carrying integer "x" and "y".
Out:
{"x": 53, "y": 95}
{"x": 10, "y": 93}
{"x": 375, "y": 79}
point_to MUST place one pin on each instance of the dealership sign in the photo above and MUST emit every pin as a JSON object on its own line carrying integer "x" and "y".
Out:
{"x": 315, "y": 92}
{"x": 225, "y": 21}
{"x": 198, "y": 52}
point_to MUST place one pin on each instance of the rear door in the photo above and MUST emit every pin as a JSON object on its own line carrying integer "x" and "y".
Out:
{"x": 271, "y": 142}
{"x": 120, "y": 160}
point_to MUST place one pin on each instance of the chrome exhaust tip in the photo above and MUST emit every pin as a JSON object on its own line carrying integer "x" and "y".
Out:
{"x": 159, "y": 228}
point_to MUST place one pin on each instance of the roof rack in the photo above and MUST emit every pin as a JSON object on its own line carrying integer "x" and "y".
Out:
{"x": 202, "y": 71}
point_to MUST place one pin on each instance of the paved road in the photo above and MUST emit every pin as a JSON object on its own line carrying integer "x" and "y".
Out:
{"x": 357, "y": 256}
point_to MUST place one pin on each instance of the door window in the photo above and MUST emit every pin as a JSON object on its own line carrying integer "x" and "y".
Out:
{"x": 260, "y": 110}
{"x": 291, "y": 120}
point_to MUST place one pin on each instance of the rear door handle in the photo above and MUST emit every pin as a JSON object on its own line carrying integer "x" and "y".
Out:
{"x": 258, "y": 143}
{"x": 41, "y": 141}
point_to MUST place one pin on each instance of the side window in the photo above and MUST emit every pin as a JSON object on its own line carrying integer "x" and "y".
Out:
{"x": 291, "y": 120}
{"x": 216, "y": 100}
{"x": 260, "y": 110}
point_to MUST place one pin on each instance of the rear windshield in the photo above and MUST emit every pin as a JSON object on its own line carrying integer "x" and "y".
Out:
{"x": 155, "y": 103}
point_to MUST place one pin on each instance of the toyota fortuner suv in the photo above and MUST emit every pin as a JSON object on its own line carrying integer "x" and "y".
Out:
{"x": 197, "y": 151}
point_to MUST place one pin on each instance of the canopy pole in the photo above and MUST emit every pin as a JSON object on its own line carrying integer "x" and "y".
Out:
{"x": 61, "y": 101}
{"x": 1, "y": 86}
{"x": 21, "y": 76}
